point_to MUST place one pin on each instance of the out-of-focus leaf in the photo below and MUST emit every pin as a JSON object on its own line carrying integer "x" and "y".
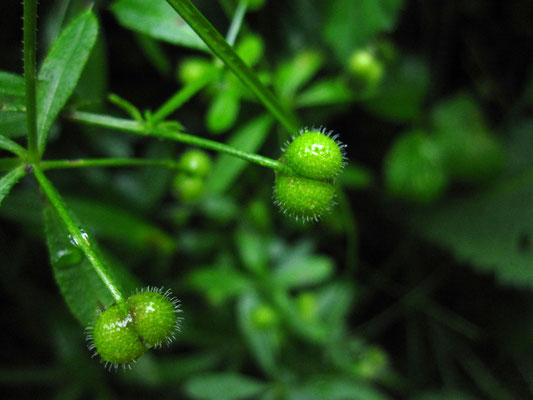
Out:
{"x": 337, "y": 388}
{"x": 263, "y": 344}
{"x": 12, "y": 105}
{"x": 12, "y": 120}
{"x": 110, "y": 222}
{"x": 218, "y": 284}
{"x": 306, "y": 271}
{"x": 157, "y": 19}
{"x": 356, "y": 177}
{"x": 402, "y": 92}
{"x": 295, "y": 73}
{"x": 224, "y": 386}
{"x": 61, "y": 70}
{"x": 445, "y": 395}
{"x": 472, "y": 152}
{"x": 492, "y": 232}
{"x": 226, "y": 168}
{"x": 78, "y": 282}
{"x": 223, "y": 111}
{"x": 9, "y": 180}
{"x": 252, "y": 249}
{"x": 325, "y": 92}
{"x": 351, "y": 24}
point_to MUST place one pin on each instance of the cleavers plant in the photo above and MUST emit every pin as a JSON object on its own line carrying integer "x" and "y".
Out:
{"x": 123, "y": 329}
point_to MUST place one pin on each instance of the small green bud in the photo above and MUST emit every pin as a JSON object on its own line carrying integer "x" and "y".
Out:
{"x": 188, "y": 189}
{"x": 315, "y": 155}
{"x": 115, "y": 339}
{"x": 414, "y": 168}
{"x": 195, "y": 162}
{"x": 264, "y": 317}
{"x": 250, "y": 49}
{"x": 193, "y": 69}
{"x": 155, "y": 316}
{"x": 365, "y": 68}
{"x": 303, "y": 198}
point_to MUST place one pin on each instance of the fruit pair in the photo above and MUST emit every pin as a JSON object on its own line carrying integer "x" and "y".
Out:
{"x": 314, "y": 158}
{"x": 123, "y": 333}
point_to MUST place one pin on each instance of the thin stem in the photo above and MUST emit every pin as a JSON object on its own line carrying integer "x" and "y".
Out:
{"x": 108, "y": 162}
{"x": 30, "y": 46}
{"x": 215, "y": 41}
{"x": 138, "y": 129}
{"x": 236, "y": 22}
{"x": 81, "y": 238}
{"x": 181, "y": 97}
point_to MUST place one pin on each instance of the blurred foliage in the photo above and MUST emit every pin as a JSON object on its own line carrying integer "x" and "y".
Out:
{"x": 418, "y": 284}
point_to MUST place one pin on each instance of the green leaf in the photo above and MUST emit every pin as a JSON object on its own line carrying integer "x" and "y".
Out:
{"x": 9, "y": 180}
{"x": 303, "y": 272}
{"x": 109, "y": 222}
{"x": 295, "y": 73}
{"x": 227, "y": 168}
{"x": 11, "y": 146}
{"x": 253, "y": 250}
{"x": 61, "y": 70}
{"x": 12, "y": 88}
{"x": 218, "y": 284}
{"x": 12, "y": 121}
{"x": 155, "y": 18}
{"x": 491, "y": 232}
{"x": 78, "y": 282}
{"x": 263, "y": 344}
{"x": 337, "y": 388}
{"x": 444, "y": 395}
{"x": 327, "y": 91}
{"x": 223, "y": 111}
{"x": 351, "y": 24}
{"x": 224, "y": 386}
{"x": 472, "y": 152}
{"x": 402, "y": 92}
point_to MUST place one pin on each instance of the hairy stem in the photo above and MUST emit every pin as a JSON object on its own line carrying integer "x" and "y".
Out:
{"x": 221, "y": 48}
{"x": 81, "y": 238}
{"x": 109, "y": 162}
{"x": 134, "y": 127}
{"x": 30, "y": 46}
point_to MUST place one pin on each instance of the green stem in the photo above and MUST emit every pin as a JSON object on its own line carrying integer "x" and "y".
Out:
{"x": 30, "y": 46}
{"x": 236, "y": 22}
{"x": 81, "y": 238}
{"x": 138, "y": 129}
{"x": 108, "y": 162}
{"x": 215, "y": 41}
{"x": 181, "y": 96}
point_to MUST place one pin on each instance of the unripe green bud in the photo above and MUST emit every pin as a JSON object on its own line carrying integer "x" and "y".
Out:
{"x": 188, "y": 189}
{"x": 195, "y": 162}
{"x": 315, "y": 155}
{"x": 303, "y": 198}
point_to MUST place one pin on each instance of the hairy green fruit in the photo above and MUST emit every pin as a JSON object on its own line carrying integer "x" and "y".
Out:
{"x": 303, "y": 198}
{"x": 315, "y": 155}
{"x": 414, "y": 168}
{"x": 195, "y": 162}
{"x": 154, "y": 315}
{"x": 115, "y": 339}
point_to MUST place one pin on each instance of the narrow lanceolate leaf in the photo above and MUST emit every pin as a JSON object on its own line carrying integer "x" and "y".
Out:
{"x": 78, "y": 282}
{"x": 227, "y": 168}
{"x": 156, "y": 19}
{"x": 61, "y": 71}
{"x": 11, "y": 146}
{"x": 12, "y": 105}
{"x": 9, "y": 180}
{"x": 11, "y": 88}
